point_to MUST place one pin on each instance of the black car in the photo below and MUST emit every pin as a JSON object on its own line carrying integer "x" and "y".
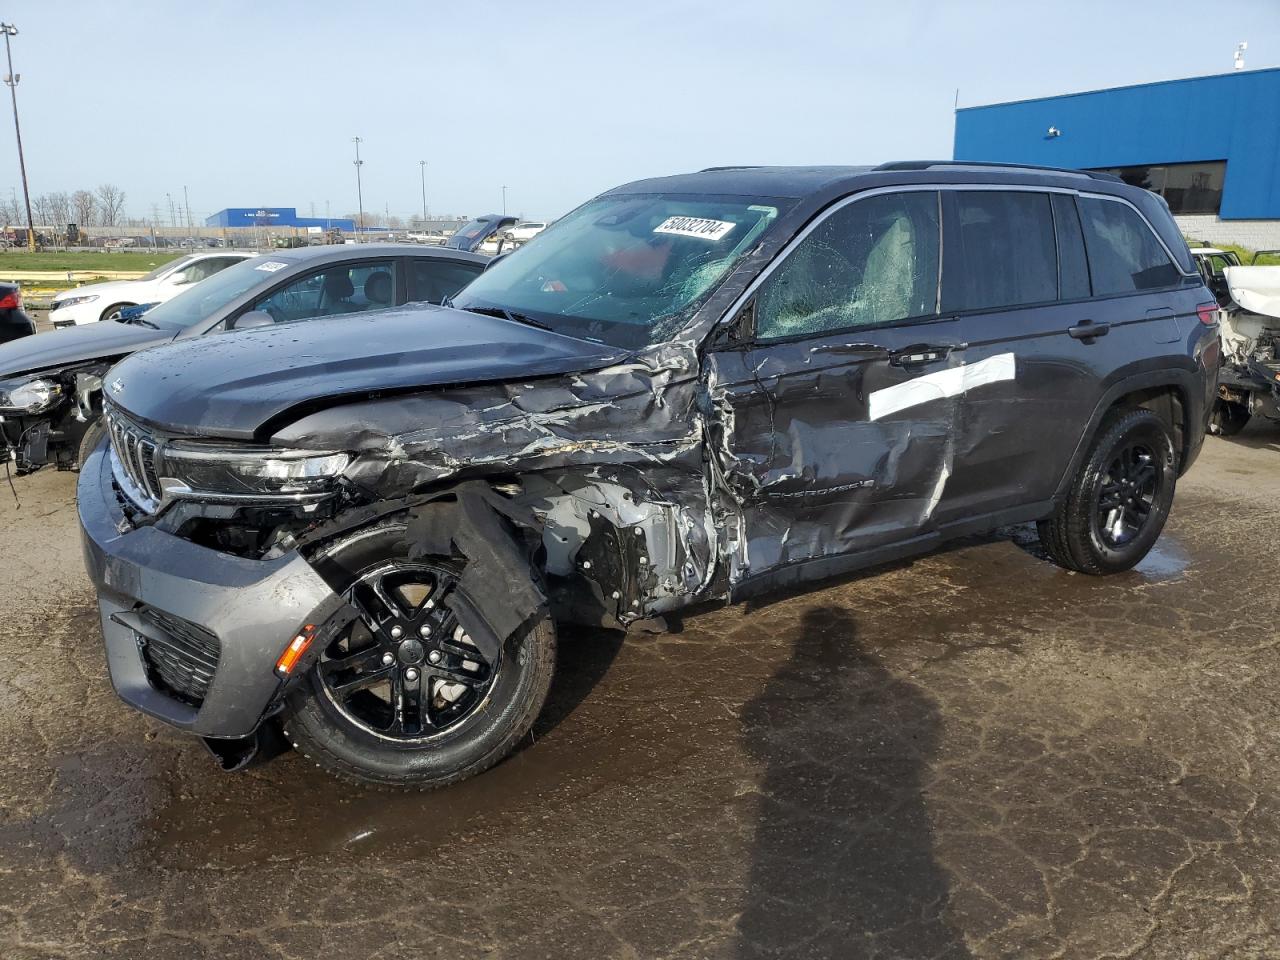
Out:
{"x": 14, "y": 323}
{"x": 689, "y": 389}
{"x": 51, "y": 386}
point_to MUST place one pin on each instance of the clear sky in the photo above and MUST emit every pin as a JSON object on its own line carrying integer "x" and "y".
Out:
{"x": 255, "y": 103}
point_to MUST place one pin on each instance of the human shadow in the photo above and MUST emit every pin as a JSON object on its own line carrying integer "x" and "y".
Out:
{"x": 843, "y": 862}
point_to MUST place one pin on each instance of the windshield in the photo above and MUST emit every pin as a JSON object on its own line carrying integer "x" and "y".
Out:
{"x": 625, "y": 270}
{"x": 474, "y": 229}
{"x": 166, "y": 267}
{"x": 209, "y": 295}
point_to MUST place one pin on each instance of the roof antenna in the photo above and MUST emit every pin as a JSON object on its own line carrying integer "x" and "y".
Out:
{"x": 1241, "y": 47}
{"x": 956, "y": 105}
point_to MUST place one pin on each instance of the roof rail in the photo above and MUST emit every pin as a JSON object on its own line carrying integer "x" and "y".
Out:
{"x": 734, "y": 166}
{"x": 930, "y": 164}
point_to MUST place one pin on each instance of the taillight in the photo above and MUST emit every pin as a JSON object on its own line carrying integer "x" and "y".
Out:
{"x": 1208, "y": 313}
{"x": 11, "y": 301}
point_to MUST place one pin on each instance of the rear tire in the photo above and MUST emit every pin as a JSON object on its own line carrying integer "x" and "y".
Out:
{"x": 386, "y": 733}
{"x": 1119, "y": 501}
{"x": 1228, "y": 418}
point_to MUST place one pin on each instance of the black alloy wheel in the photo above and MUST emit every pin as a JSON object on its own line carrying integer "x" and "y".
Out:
{"x": 1126, "y": 495}
{"x": 405, "y": 669}
{"x": 402, "y": 696}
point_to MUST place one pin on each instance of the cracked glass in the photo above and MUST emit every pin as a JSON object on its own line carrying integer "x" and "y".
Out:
{"x": 872, "y": 262}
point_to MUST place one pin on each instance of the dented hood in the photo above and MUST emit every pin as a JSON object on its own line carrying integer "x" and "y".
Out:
{"x": 1256, "y": 289}
{"x": 61, "y": 348}
{"x": 230, "y": 385}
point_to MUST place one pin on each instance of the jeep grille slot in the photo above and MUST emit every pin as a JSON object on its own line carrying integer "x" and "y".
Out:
{"x": 134, "y": 463}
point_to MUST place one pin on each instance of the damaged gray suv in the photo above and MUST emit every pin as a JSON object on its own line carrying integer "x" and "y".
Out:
{"x": 361, "y": 533}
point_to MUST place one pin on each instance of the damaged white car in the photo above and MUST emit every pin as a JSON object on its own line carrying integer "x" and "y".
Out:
{"x": 1249, "y": 324}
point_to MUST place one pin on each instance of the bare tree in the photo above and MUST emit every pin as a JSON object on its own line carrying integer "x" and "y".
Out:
{"x": 85, "y": 205}
{"x": 41, "y": 210}
{"x": 60, "y": 209}
{"x": 110, "y": 204}
{"x": 11, "y": 213}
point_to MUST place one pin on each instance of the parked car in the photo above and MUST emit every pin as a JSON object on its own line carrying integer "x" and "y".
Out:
{"x": 526, "y": 230}
{"x": 471, "y": 236}
{"x": 1212, "y": 264}
{"x": 51, "y": 386}
{"x": 1249, "y": 382}
{"x": 14, "y": 323}
{"x": 103, "y": 301}
{"x": 690, "y": 389}
{"x": 116, "y": 243}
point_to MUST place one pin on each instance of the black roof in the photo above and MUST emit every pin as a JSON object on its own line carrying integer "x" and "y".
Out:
{"x": 797, "y": 182}
{"x": 351, "y": 251}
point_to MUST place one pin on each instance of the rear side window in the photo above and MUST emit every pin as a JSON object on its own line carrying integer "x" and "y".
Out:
{"x": 1124, "y": 255}
{"x": 1073, "y": 268}
{"x": 873, "y": 261}
{"x": 432, "y": 280}
{"x": 999, "y": 250}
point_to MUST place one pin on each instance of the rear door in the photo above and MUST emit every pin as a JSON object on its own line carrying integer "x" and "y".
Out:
{"x": 1016, "y": 278}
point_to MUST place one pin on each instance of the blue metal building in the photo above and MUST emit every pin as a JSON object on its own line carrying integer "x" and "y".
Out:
{"x": 1209, "y": 145}
{"x": 274, "y": 217}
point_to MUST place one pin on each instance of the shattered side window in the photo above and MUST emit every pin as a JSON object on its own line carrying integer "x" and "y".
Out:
{"x": 874, "y": 261}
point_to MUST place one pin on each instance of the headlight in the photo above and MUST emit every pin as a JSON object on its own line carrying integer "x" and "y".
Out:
{"x": 30, "y": 396}
{"x": 250, "y": 472}
{"x": 72, "y": 301}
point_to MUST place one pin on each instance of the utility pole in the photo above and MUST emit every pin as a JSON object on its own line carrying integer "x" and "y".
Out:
{"x": 186, "y": 202}
{"x": 422, "y": 168}
{"x": 12, "y": 79}
{"x": 359, "y": 189}
{"x": 504, "y": 199}
{"x": 173, "y": 214}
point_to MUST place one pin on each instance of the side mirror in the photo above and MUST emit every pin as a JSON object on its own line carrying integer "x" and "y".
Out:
{"x": 254, "y": 318}
{"x": 179, "y": 278}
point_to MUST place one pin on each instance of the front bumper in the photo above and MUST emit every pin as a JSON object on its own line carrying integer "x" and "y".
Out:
{"x": 77, "y": 314}
{"x": 245, "y": 610}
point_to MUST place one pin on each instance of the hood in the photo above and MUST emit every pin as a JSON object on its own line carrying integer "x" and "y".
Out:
{"x": 1256, "y": 289}
{"x": 108, "y": 288}
{"x": 230, "y": 385}
{"x": 93, "y": 341}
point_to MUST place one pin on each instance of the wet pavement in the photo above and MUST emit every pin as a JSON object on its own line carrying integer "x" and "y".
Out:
{"x": 975, "y": 754}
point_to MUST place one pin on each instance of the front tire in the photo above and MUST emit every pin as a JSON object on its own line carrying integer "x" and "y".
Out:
{"x": 1119, "y": 501}
{"x": 113, "y": 311}
{"x": 402, "y": 697}
{"x": 92, "y": 434}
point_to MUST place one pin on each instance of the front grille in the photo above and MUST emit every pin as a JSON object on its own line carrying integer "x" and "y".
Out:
{"x": 181, "y": 658}
{"x": 134, "y": 464}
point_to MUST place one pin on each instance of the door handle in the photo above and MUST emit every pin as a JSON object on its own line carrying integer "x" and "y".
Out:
{"x": 922, "y": 353}
{"x": 1088, "y": 331}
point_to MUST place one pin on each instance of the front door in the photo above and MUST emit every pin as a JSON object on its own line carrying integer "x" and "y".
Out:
{"x": 838, "y": 422}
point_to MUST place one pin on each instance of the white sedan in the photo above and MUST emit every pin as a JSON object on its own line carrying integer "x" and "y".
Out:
{"x": 104, "y": 301}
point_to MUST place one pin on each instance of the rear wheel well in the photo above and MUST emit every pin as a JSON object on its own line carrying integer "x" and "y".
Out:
{"x": 1168, "y": 403}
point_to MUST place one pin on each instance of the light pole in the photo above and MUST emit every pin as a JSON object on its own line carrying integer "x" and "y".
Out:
{"x": 504, "y": 199}
{"x": 186, "y": 203}
{"x": 359, "y": 188}
{"x": 422, "y": 168}
{"x": 12, "y": 79}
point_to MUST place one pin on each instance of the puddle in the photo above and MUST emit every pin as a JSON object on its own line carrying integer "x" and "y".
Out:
{"x": 1166, "y": 561}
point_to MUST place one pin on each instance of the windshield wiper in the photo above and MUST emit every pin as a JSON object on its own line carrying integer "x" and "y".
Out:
{"x": 138, "y": 320}
{"x": 505, "y": 314}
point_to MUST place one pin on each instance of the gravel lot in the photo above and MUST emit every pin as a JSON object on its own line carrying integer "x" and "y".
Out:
{"x": 972, "y": 755}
